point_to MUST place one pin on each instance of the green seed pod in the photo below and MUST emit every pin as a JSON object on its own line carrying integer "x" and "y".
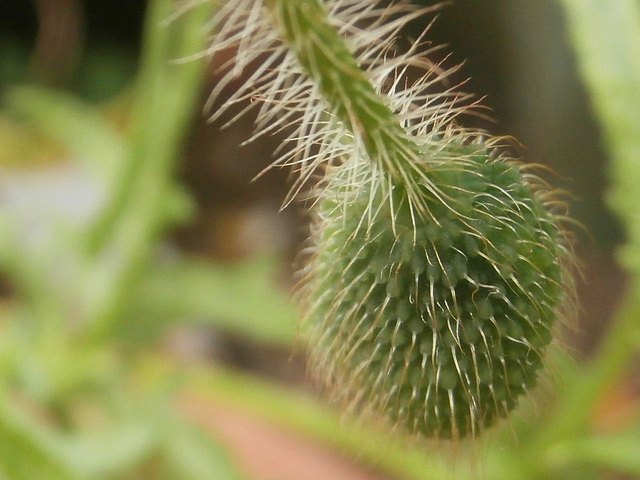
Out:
{"x": 436, "y": 325}
{"x": 438, "y": 271}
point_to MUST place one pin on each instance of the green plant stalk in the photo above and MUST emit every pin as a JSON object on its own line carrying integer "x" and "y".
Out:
{"x": 610, "y": 66}
{"x": 307, "y": 417}
{"x": 606, "y": 40}
{"x": 27, "y": 451}
{"x": 328, "y": 61}
{"x": 302, "y": 415}
{"x": 167, "y": 96}
{"x": 148, "y": 129}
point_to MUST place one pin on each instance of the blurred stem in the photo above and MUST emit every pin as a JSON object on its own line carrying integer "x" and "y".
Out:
{"x": 28, "y": 450}
{"x": 616, "y": 453}
{"x": 583, "y": 391}
{"x": 303, "y": 416}
{"x": 60, "y": 39}
{"x": 606, "y": 38}
{"x": 327, "y": 59}
{"x": 166, "y": 97}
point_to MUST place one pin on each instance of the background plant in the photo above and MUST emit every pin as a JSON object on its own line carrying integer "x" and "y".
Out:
{"x": 71, "y": 319}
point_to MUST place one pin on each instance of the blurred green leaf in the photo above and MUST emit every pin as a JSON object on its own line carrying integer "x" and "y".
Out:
{"x": 113, "y": 452}
{"x": 27, "y": 451}
{"x": 606, "y": 38}
{"x": 306, "y": 416}
{"x": 243, "y": 298}
{"x": 192, "y": 455}
{"x": 75, "y": 125}
{"x": 51, "y": 369}
{"x": 619, "y": 453}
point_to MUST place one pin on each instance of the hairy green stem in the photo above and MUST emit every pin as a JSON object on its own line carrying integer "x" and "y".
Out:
{"x": 459, "y": 268}
{"x": 326, "y": 58}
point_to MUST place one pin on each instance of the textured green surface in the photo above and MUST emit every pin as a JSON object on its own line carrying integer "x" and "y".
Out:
{"x": 440, "y": 325}
{"x": 327, "y": 59}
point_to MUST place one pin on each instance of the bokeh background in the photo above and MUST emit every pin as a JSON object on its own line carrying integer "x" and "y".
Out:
{"x": 515, "y": 55}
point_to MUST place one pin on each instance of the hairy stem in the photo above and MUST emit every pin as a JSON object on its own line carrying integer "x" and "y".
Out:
{"x": 326, "y": 58}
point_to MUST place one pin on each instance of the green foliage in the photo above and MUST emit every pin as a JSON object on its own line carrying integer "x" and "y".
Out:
{"x": 92, "y": 293}
{"x": 606, "y": 39}
{"x": 28, "y": 451}
{"x": 606, "y": 36}
{"x": 81, "y": 281}
{"x": 196, "y": 292}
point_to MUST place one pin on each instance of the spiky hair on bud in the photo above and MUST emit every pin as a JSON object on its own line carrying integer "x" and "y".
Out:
{"x": 439, "y": 267}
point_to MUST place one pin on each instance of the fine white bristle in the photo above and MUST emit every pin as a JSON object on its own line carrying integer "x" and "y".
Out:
{"x": 286, "y": 98}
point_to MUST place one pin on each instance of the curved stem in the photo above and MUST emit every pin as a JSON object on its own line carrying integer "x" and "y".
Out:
{"x": 583, "y": 391}
{"x": 327, "y": 59}
{"x": 610, "y": 66}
